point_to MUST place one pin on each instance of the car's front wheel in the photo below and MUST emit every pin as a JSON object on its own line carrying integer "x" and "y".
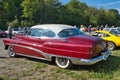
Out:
{"x": 11, "y": 52}
{"x": 63, "y": 62}
{"x": 111, "y": 45}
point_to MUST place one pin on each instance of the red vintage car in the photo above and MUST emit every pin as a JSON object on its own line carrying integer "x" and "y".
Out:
{"x": 64, "y": 44}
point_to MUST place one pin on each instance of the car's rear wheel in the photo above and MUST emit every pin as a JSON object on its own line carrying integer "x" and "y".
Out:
{"x": 11, "y": 52}
{"x": 63, "y": 62}
{"x": 111, "y": 45}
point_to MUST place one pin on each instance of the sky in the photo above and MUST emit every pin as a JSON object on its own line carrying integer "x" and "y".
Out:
{"x": 106, "y": 4}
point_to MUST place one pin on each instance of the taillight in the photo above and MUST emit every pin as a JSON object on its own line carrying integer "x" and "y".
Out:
{"x": 98, "y": 48}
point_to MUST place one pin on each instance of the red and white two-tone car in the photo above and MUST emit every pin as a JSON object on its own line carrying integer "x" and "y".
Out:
{"x": 64, "y": 44}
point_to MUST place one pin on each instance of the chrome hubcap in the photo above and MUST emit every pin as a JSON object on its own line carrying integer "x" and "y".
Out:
{"x": 11, "y": 52}
{"x": 110, "y": 46}
{"x": 62, "y": 61}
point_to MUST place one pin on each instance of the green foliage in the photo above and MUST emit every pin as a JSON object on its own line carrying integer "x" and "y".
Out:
{"x": 26, "y": 23}
{"x": 30, "y": 7}
{"x": 15, "y": 23}
{"x": 2, "y": 16}
{"x": 112, "y": 17}
{"x": 30, "y": 12}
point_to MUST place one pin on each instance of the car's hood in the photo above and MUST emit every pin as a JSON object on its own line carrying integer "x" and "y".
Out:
{"x": 83, "y": 39}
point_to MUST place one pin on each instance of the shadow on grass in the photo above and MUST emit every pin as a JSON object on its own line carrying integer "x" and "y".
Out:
{"x": 118, "y": 48}
{"x": 3, "y": 57}
{"x": 37, "y": 60}
{"x": 108, "y": 67}
{"x": 1, "y": 78}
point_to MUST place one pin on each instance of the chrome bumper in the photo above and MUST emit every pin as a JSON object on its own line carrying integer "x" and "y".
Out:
{"x": 103, "y": 56}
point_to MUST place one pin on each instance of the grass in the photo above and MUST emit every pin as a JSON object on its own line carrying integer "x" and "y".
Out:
{"x": 43, "y": 70}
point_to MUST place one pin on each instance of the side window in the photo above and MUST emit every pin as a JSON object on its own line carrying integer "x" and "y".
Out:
{"x": 70, "y": 32}
{"x": 31, "y": 32}
{"x": 114, "y": 33}
{"x": 63, "y": 33}
{"x": 35, "y": 32}
{"x": 99, "y": 34}
{"x": 47, "y": 33}
{"x": 41, "y": 33}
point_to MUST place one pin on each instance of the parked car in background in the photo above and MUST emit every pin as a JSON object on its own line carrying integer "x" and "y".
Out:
{"x": 3, "y": 34}
{"x": 113, "y": 30}
{"x": 16, "y": 31}
{"x": 112, "y": 38}
{"x": 118, "y": 29}
{"x": 64, "y": 44}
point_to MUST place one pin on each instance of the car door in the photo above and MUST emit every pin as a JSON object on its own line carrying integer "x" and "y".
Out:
{"x": 32, "y": 43}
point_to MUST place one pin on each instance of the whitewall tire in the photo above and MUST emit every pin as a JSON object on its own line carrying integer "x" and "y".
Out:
{"x": 63, "y": 62}
{"x": 11, "y": 52}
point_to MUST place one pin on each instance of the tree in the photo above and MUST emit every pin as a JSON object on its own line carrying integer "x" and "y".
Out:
{"x": 30, "y": 7}
{"x": 111, "y": 18}
{"x": 92, "y": 14}
{"x": 12, "y": 9}
{"x": 75, "y": 13}
{"x": 31, "y": 12}
{"x": 2, "y": 16}
{"x": 101, "y": 17}
{"x": 51, "y": 11}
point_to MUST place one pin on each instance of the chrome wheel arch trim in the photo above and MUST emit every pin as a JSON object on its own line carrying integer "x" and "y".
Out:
{"x": 30, "y": 48}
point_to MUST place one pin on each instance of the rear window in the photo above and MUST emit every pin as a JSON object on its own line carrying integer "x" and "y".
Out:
{"x": 70, "y": 32}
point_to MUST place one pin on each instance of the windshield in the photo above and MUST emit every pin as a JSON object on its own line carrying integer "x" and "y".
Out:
{"x": 114, "y": 32}
{"x": 118, "y": 30}
{"x": 70, "y": 32}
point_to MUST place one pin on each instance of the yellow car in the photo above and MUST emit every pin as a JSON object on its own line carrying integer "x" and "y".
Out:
{"x": 112, "y": 38}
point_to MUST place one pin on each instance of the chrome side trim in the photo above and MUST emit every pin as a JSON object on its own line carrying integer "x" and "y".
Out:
{"x": 34, "y": 49}
{"x": 32, "y": 56}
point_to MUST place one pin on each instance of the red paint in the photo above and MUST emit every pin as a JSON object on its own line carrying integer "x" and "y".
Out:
{"x": 76, "y": 46}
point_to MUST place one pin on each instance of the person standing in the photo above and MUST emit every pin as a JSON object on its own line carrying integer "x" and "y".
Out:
{"x": 101, "y": 27}
{"x": 82, "y": 28}
{"x": 10, "y": 30}
{"x": 89, "y": 29}
{"x": 97, "y": 28}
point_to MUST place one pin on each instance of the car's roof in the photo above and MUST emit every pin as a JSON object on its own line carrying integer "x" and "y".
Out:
{"x": 53, "y": 27}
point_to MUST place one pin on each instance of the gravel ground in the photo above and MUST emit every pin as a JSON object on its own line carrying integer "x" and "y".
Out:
{"x": 3, "y": 53}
